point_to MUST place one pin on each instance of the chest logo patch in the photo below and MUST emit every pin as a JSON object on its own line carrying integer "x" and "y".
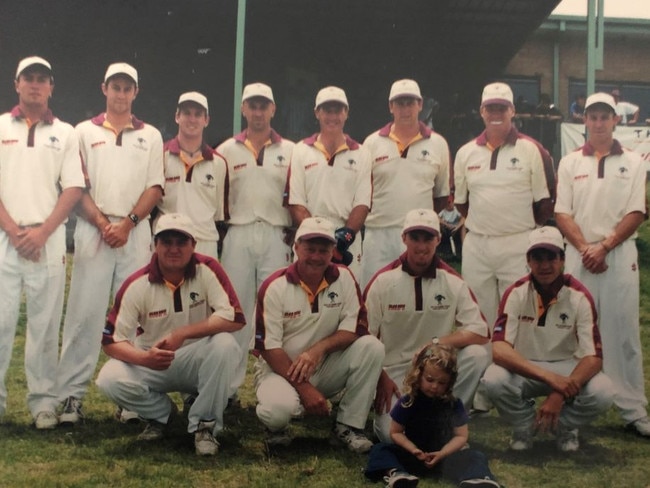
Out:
{"x": 440, "y": 303}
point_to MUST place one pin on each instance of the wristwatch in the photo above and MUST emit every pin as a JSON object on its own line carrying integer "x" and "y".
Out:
{"x": 435, "y": 340}
{"x": 134, "y": 218}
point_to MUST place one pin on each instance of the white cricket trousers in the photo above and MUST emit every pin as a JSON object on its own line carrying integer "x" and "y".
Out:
{"x": 250, "y": 254}
{"x": 472, "y": 362}
{"x": 490, "y": 265}
{"x": 354, "y": 370}
{"x": 204, "y": 368}
{"x": 381, "y": 245}
{"x": 616, "y": 293}
{"x": 513, "y": 395}
{"x": 43, "y": 283}
{"x": 97, "y": 273}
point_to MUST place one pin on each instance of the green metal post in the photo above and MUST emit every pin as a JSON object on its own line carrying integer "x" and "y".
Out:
{"x": 239, "y": 65}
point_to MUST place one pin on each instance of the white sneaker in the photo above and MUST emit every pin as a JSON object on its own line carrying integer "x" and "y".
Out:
{"x": 127, "y": 416}
{"x": 567, "y": 440}
{"x": 204, "y": 442}
{"x": 640, "y": 427}
{"x": 521, "y": 440}
{"x": 46, "y": 420}
{"x": 400, "y": 479}
{"x": 354, "y": 439}
{"x": 71, "y": 413}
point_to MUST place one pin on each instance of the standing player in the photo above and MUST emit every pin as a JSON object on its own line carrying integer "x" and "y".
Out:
{"x": 41, "y": 179}
{"x": 169, "y": 330}
{"x": 124, "y": 160}
{"x": 601, "y": 204}
{"x": 504, "y": 187}
{"x": 330, "y": 177}
{"x": 195, "y": 175}
{"x": 410, "y": 169}
{"x": 258, "y": 238}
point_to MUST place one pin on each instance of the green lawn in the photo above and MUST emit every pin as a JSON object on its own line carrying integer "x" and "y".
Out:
{"x": 102, "y": 452}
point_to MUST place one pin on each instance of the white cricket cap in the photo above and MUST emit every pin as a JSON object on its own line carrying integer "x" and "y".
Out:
{"x": 121, "y": 69}
{"x": 604, "y": 98}
{"x": 546, "y": 237}
{"x": 331, "y": 94}
{"x": 195, "y": 97}
{"x": 32, "y": 61}
{"x": 497, "y": 94}
{"x": 422, "y": 219}
{"x": 316, "y": 227}
{"x": 404, "y": 88}
{"x": 175, "y": 222}
{"x": 257, "y": 90}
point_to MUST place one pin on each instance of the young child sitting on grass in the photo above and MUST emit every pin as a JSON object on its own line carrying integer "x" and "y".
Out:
{"x": 429, "y": 430}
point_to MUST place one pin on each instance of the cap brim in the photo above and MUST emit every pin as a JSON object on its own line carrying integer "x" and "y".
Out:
{"x": 546, "y": 246}
{"x": 405, "y": 95}
{"x": 430, "y": 230}
{"x": 603, "y": 104}
{"x": 180, "y": 231}
{"x": 316, "y": 235}
{"x": 497, "y": 101}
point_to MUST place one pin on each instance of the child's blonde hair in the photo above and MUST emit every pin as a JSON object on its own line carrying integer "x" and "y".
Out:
{"x": 438, "y": 355}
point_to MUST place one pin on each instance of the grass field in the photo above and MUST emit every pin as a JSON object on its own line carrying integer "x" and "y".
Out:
{"x": 101, "y": 452}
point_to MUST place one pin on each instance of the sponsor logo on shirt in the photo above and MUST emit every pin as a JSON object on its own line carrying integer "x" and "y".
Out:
{"x": 155, "y": 314}
{"x": 172, "y": 179}
{"x": 526, "y": 318}
{"x": 381, "y": 159}
{"x": 239, "y": 166}
{"x": 292, "y": 315}
{"x": 580, "y": 177}
{"x": 7, "y": 142}
{"x": 396, "y": 307}
{"x": 310, "y": 166}
{"x": 474, "y": 167}
{"x": 98, "y": 143}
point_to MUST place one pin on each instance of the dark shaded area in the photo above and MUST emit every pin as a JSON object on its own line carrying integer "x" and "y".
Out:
{"x": 452, "y": 47}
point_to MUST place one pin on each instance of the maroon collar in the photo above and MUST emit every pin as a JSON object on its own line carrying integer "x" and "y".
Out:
{"x": 511, "y": 138}
{"x": 174, "y": 147}
{"x": 241, "y": 137}
{"x": 331, "y": 274}
{"x": 615, "y": 150}
{"x": 101, "y": 118}
{"x": 17, "y": 113}
{"x": 351, "y": 143}
{"x": 425, "y": 131}
{"x": 430, "y": 272}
